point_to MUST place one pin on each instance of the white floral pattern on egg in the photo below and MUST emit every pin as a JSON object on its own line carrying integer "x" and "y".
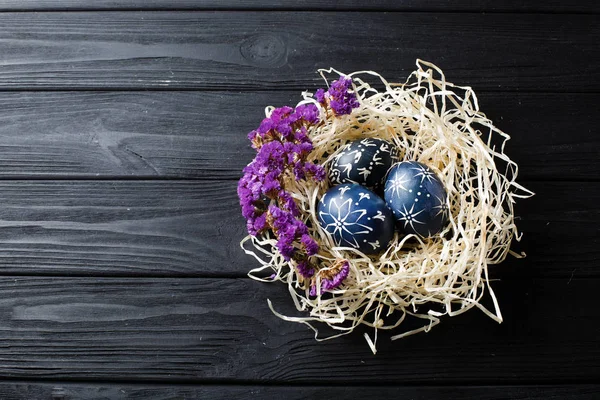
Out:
{"x": 356, "y": 217}
{"x": 417, "y": 198}
{"x": 364, "y": 161}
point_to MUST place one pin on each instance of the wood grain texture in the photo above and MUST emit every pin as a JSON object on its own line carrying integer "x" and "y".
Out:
{"x": 203, "y": 134}
{"x": 554, "y": 6}
{"x": 193, "y": 228}
{"x": 119, "y": 391}
{"x": 121, "y": 134}
{"x": 500, "y": 52}
{"x": 195, "y": 330}
{"x": 122, "y": 227}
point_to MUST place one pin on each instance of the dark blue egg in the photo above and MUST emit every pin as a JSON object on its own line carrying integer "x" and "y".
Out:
{"x": 356, "y": 217}
{"x": 364, "y": 161}
{"x": 417, "y": 197}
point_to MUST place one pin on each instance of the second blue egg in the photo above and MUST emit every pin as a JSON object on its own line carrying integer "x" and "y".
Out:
{"x": 417, "y": 197}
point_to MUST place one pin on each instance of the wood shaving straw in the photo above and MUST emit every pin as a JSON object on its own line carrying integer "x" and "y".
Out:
{"x": 437, "y": 123}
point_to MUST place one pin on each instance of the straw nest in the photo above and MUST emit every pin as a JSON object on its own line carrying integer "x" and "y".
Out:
{"x": 437, "y": 123}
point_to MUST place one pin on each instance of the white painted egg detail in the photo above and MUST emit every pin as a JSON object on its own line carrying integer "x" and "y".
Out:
{"x": 364, "y": 161}
{"x": 417, "y": 197}
{"x": 356, "y": 217}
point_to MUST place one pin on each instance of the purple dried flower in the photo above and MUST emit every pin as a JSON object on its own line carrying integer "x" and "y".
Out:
{"x": 302, "y": 137}
{"x": 331, "y": 278}
{"x": 340, "y": 99}
{"x": 288, "y": 230}
{"x": 283, "y": 145}
{"x": 330, "y": 284}
{"x": 265, "y": 126}
{"x": 305, "y": 269}
{"x": 317, "y": 171}
{"x": 252, "y": 135}
{"x": 260, "y": 223}
{"x": 309, "y": 244}
{"x": 271, "y": 185}
{"x": 299, "y": 170}
{"x": 320, "y": 96}
{"x": 308, "y": 112}
{"x": 278, "y": 216}
{"x": 286, "y": 250}
{"x": 285, "y": 129}
{"x": 279, "y": 113}
{"x": 304, "y": 148}
{"x": 289, "y": 203}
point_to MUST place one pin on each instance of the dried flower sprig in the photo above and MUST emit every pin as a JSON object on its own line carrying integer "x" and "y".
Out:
{"x": 330, "y": 278}
{"x": 339, "y": 97}
{"x": 282, "y": 146}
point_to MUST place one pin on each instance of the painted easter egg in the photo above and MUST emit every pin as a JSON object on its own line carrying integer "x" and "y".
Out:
{"x": 356, "y": 217}
{"x": 417, "y": 197}
{"x": 364, "y": 161}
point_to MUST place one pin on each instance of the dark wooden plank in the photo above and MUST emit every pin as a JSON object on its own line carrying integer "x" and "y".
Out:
{"x": 118, "y": 391}
{"x": 119, "y": 134}
{"x": 195, "y": 135}
{"x": 193, "y": 228}
{"x": 559, "y": 228}
{"x": 121, "y": 227}
{"x": 543, "y": 147}
{"x": 197, "y": 330}
{"x": 339, "y": 5}
{"x": 501, "y": 52}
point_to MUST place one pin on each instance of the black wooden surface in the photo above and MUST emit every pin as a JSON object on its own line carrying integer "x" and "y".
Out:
{"x": 93, "y": 391}
{"x": 187, "y": 228}
{"x": 282, "y": 50}
{"x": 548, "y": 6}
{"x": 122, "y": 134}
{"x": 184, "y": 134}
{"x": 163, "y": 329}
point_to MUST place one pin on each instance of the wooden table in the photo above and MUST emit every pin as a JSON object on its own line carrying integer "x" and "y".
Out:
{"x": 122, "y": 135}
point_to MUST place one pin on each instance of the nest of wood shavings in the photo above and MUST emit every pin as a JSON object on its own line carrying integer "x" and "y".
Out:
{"x": 439, "y": 124}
